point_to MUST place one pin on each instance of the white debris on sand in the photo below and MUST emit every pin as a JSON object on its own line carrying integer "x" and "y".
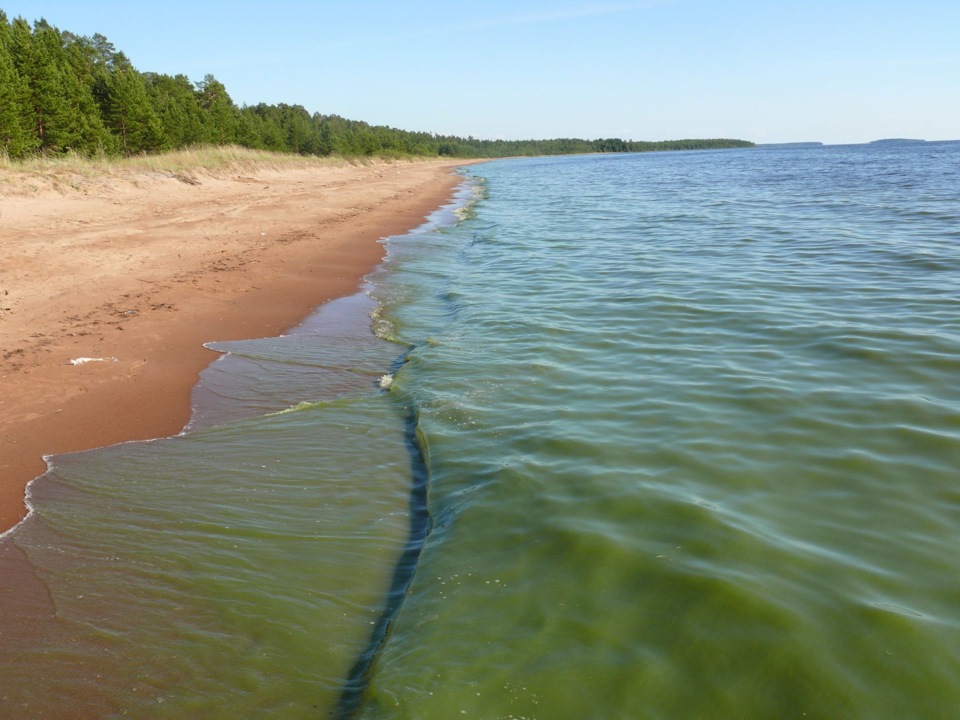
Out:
{"x": 84, "y": 360}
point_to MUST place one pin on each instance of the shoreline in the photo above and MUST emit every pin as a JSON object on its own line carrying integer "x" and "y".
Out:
{"x": 111, "y": 288}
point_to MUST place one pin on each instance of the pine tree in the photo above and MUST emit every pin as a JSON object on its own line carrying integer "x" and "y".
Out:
{"x": 298, "y": 129}
{"x": 41, "y": 81}
{"x": 220, "y": 114}
{"x": 63, "y": 112}
{"x": 177, "y": 107}
{"x": 82, "y": 68}
{"x": 327, "y": 141}
{"x": 129, "y": 114}
{"x": 264, "y": 121}
{"x": 15, "y": 137}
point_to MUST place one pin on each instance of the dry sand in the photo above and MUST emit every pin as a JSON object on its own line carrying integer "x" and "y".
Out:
{"x": 139, "y": 268}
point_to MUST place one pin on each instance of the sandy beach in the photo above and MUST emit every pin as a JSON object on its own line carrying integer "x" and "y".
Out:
{"x": 110, "y": 285}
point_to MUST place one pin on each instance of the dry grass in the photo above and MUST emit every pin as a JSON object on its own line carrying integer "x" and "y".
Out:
{"x": 73, "y": 172}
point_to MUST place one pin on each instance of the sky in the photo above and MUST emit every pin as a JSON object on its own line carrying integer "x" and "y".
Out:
{"x": 838, "y": 71}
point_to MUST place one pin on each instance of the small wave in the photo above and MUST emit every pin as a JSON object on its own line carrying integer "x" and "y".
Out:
{"x": 299, "y": 407}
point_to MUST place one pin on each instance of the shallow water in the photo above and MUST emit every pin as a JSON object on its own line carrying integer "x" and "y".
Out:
{"x": 694, "y": 431}
{"x": 235, "y": 570}
{"x": 691, "y": 426}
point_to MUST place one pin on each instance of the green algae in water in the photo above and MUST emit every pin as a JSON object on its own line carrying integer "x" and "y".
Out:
{"x": 672, "y": 474}
{"x": 675, "y": 476}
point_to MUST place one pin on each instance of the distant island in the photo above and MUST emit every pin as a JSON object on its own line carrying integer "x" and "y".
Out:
{"x": 884, "y": 141}
{"x": 895, "y": 141}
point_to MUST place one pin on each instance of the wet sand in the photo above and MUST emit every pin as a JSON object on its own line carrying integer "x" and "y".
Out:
{"x": 136, "y": 271}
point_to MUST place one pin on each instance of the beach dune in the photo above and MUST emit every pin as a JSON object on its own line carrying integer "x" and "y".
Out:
{"x": 110, "y": 284}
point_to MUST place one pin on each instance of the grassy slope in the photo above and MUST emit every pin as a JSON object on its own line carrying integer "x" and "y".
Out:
{"x": 35, "y": 175}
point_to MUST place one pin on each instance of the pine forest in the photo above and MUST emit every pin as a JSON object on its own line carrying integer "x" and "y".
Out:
{"x": 63, "y": 93}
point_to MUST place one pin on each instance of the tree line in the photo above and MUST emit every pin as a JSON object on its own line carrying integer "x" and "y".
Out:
{"x": 61, "y": 92}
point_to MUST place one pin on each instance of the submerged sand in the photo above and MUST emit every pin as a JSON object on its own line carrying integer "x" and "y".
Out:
{"x": 110, "y": 285}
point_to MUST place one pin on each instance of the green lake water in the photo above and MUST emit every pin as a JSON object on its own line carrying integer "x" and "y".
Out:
{"x": 667, "y": 436}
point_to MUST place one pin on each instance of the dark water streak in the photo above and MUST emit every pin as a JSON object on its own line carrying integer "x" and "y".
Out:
{"x": 354, "y": 692}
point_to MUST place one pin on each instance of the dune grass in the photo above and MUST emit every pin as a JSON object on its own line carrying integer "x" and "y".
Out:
{"x": 65, "y": 172}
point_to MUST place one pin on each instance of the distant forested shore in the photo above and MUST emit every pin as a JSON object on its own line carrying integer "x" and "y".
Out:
{"x": 64, "y": 93}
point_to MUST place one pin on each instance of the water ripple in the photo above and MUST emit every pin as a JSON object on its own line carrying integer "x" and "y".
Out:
{"x": 694, "y": 432}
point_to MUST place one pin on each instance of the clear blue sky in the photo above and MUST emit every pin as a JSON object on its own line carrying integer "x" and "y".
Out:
{"x": 769, "y": 71}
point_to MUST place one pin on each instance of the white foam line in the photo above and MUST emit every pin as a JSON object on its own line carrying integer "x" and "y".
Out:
{"x": 27, "y": 499}
{"x": 48, "y": 459}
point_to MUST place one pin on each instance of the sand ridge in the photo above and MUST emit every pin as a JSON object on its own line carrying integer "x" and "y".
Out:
{"x": 110, "y": 286}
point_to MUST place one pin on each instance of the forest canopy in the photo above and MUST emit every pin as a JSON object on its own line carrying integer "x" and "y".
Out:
{"x": 64, "y": 93}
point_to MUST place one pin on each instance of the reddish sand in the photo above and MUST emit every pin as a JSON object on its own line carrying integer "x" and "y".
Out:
{"x": 140, "y": 269}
